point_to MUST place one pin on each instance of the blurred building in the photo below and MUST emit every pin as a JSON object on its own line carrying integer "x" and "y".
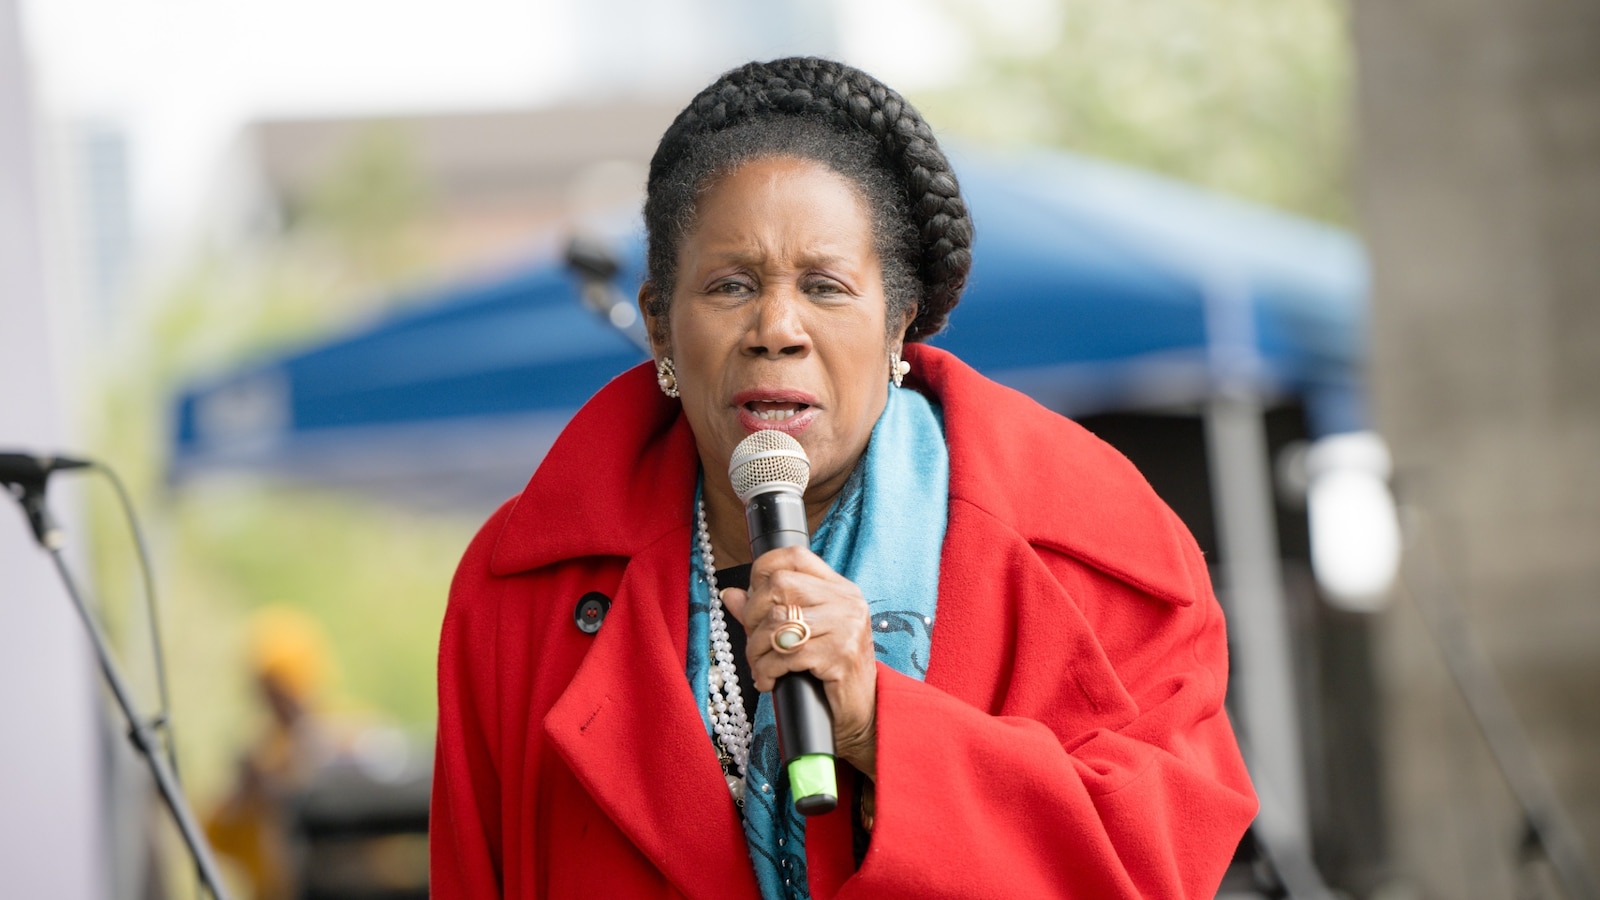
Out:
{"x": 490, "y": 183}
{"x": 487, "y": 184}
{"x": 100, "y": 175}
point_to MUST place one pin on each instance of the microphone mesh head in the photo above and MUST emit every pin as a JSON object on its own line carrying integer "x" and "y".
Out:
{"x": 768, "y": 460}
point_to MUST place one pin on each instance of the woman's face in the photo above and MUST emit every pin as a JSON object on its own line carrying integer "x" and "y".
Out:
{"x": 778, "y": 318}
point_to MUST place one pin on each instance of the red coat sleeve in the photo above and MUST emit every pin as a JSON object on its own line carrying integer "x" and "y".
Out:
{"x": 464, "y": 818}
{"x": 1090, "y": 758}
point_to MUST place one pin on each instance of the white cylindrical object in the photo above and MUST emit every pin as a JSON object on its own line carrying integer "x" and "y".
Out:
{"x": 1355, "y": 528}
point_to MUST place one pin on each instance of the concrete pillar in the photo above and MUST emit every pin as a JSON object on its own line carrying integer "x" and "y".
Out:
{"x": 1478, "y": 177}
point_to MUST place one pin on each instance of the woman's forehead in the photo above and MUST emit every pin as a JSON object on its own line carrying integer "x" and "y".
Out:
{"x": 770, "y": 177}
{"x": 782, "y": 202}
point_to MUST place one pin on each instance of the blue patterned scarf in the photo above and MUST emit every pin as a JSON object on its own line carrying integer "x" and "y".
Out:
{"x": 884, "y": 533}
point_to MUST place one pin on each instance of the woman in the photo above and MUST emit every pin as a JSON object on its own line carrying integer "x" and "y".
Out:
{"x": 1017, "y": 638}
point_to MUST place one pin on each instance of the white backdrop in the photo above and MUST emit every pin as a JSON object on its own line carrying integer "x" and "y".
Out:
{"x": 51, "y": 822}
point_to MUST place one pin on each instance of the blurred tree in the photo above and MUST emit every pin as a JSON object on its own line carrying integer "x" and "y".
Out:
{"x": 1248, "y": 97}
{"x": 353, "y": 246}
{"x": 366, "y": 209}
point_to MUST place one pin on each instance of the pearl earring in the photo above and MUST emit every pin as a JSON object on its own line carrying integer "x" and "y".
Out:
{"x": 897, "y": 368}
{"x": 666, "y": 376}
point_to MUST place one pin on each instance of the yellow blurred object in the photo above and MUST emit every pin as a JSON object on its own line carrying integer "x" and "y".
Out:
{"x": 253, "y": 826}
{"x": 246, "y": 830}
{"x": 288, "y": 647}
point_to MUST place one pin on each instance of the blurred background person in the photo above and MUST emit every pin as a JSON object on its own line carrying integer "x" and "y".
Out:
{"x": 254, "y": 824}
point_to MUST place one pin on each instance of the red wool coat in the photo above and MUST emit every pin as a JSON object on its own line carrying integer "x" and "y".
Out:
{"x": 1069, "y": 740}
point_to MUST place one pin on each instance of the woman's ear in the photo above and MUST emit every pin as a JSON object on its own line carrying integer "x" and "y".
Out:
{"x": 655, "y": 326}
{"x": 897, "y": 334}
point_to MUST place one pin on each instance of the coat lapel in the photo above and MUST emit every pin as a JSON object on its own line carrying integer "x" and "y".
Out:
{"x": 620, "y": 483}
{"x": 629, "y": 728}
{"x": 1092, "y": 509}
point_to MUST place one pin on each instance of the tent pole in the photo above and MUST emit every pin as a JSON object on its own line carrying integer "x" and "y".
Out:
{"x": 1241, "y": 477}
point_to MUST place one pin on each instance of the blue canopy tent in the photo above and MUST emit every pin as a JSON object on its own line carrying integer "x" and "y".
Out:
{"x": 1090, "y": 290}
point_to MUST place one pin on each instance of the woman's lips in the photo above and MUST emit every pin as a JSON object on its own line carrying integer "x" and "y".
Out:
{"x": 787, "y": 411}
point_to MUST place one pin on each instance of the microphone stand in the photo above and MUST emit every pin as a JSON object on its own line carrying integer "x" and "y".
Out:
{"x": 31, "y": 494}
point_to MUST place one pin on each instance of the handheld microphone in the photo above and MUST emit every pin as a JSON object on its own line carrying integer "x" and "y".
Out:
{"x": 769, "y": 471}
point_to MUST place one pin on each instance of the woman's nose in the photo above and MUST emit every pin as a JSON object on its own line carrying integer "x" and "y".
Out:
{"x": 779, "y": 328}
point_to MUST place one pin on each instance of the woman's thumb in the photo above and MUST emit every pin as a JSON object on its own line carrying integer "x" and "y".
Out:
{"x": 734, "y": 600}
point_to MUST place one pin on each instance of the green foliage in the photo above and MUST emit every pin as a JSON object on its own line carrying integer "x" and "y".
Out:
{"x": 353, "y": 248}
{"x": 366, "y": 206}
{"x": 374, "y": 577}
{"x": 1249, "y": 97}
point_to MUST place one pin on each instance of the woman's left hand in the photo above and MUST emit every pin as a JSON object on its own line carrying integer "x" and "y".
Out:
{"x": 839, "y": 651}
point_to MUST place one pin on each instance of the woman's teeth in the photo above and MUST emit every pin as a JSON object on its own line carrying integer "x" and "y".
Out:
{"x": 773, "y": 410}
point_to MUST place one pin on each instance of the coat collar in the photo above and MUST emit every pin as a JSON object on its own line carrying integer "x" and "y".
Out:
{"x": 622, "y": 474}
{"x": 619, "y": 477}
{"x": 1053, "y": 482}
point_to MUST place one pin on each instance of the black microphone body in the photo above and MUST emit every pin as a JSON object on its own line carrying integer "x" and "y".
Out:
{"x": 805, "y": 721}
{"x": 777, "y": 518}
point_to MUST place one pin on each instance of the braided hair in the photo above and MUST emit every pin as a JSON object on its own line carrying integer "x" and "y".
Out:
{"x": 845, "y": 119}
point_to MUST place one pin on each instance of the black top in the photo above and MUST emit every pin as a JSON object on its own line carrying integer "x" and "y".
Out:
{"x": 739, "y": 577}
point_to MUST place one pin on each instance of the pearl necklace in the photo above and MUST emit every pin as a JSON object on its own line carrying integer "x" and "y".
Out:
{"x": 728, "y": 719}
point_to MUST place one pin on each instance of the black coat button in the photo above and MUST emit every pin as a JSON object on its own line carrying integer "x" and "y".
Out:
{"x": 591, "y": 611}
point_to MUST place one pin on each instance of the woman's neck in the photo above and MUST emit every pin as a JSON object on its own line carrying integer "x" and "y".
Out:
{"x": 730, "y": 539}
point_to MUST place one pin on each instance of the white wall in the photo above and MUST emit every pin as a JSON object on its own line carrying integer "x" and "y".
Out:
{"x": 51, "y": 821}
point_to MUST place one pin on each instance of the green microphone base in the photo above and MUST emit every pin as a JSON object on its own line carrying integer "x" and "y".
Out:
{"x": 813, "y": 784}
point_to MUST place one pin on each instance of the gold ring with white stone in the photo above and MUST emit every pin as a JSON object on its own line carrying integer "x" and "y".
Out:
{"x": 793, "y": 632}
